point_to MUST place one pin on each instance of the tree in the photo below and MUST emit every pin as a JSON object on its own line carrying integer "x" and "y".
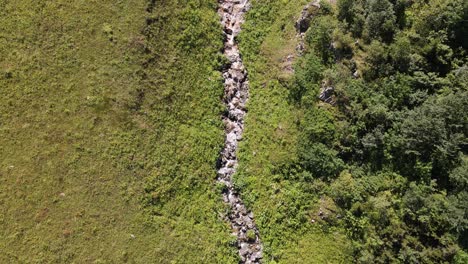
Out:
{"x": 380, "y": 21}
{"x": 353, "y": 14}
{"x": 321, "y": 161}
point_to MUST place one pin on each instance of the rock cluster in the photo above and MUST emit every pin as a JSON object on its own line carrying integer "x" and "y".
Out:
{"x": 303, "y": 23}
{"x": 236, "y": 93}
{"x": 326, "y": 94}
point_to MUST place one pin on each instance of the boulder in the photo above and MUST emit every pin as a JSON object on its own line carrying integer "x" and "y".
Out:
{"x": 256, "y": 256}
{"x": 326, "y": 95}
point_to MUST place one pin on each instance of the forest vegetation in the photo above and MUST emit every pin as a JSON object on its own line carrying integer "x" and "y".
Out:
{"x": 385, "y": 162}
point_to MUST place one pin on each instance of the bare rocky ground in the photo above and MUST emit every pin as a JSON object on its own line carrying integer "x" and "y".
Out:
{"x": 236, "y": 93}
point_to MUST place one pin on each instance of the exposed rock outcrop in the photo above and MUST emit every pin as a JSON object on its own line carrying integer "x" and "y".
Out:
{"x": 303, "y": 23}
{"x": 326, "y": 94}
{"x": 327, "y": 91}
{"x": 236, "y": 93}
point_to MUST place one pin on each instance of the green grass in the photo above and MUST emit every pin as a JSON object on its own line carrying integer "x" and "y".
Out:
{"x": 109, "y": 133}
{"x": 282, "y": 205}
{"x": 110, "y": 130}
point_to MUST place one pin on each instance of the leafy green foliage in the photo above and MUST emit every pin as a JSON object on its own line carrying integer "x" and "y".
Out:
{"x": 282, "y": 197}
{"x": 307, "y": 76}
{"x": 434, "y": 134}
{"x": 393, "y": 149}
{"x": 380, "y": 21}
{"x": 110, "y": 131}
{"x": 322, "y": 161}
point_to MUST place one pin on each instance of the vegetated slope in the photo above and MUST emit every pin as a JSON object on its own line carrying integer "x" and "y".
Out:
{"x": 283, "y": 201}
{"x": 110, "y": 131}
{"x": 389, "y": 149}
{"x": 384, "y": 159}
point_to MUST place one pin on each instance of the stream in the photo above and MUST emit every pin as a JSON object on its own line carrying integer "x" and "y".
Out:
{"x": 236, "y": 94}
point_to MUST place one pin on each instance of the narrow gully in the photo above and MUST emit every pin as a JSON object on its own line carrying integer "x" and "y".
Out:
{"x": 236, "y": 94}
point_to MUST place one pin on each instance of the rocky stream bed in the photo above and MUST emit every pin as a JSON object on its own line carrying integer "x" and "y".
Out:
{"x": 236, "y": 94}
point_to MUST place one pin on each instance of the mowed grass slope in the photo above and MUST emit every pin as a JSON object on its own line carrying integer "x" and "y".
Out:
{"x": 109, "y": 132}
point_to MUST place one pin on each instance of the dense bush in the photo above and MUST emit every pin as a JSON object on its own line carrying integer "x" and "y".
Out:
{"x": 394, "y": 146}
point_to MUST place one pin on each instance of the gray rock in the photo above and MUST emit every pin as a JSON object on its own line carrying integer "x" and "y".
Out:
{"x": 303, "y": 23}
{"x": 244, "y": 249}
{"x": 326, "y": 95}
{"x": 236, "y": 93}
{"x": 356, "y": 74}
{"x": 256, "y": 256}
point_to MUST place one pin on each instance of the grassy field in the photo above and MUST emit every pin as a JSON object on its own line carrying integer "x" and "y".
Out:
{"x": 284, "y": 207}
{"x": 109, "y": 132}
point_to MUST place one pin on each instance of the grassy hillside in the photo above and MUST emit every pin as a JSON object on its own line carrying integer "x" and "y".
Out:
{"x": 387, "y": 154}
{"x": 109, "y": 132}
{"x": 379, "y": 175}
{"x": 283, "y": 204}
